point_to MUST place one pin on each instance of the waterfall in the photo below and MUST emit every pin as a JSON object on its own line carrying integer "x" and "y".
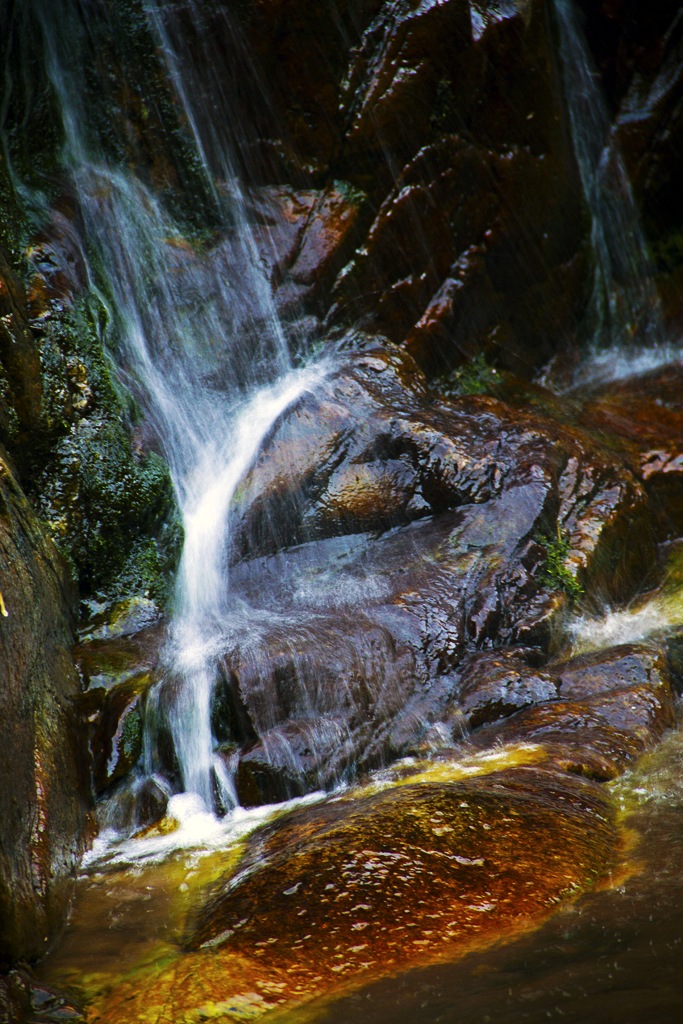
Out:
{"x": 625, "y": 304}
{"x": 198, "y": 339}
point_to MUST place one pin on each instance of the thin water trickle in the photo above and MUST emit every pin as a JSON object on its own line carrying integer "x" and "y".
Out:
{"x": 197, "y": 338}
{"x": 625, "y": 305}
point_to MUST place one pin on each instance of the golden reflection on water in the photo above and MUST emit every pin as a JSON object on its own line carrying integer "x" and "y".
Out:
{"x": 611, "y": 956}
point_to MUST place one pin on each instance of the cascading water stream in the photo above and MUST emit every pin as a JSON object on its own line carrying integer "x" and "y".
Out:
{"x": 625, "y": 304}
{"x": 212, "y": 378}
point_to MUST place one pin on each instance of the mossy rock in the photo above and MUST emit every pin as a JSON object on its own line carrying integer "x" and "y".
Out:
{"x": 389, "y": 877}
{"x": 107, "y": 510}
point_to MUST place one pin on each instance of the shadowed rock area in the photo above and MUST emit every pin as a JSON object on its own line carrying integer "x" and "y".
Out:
{"x": 43, "y": 755}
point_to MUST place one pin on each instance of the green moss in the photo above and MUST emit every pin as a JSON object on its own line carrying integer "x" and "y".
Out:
{"x": 13, "y": 221}
{"x": 9, "y": 421}
{"x": 111, "y": 512}
{"x": 130, "y": 744}
{"x": 555, "y": 573}
{"x": 109, "y": 508}
{"x": 473, "y": 378}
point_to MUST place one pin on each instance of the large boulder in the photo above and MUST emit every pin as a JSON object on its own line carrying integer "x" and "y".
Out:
{"x": 425, "y": 864}
{"x": 44, "y": 762}
{"x": 413, "y": 868}
{"x": 385, "y": 535}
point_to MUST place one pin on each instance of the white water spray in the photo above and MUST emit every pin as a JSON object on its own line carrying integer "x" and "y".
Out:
{"x": 203, "y": 593}
{"x": 648, "y": 617}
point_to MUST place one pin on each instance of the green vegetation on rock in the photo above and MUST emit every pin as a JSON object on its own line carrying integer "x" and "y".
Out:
{"x": 110, "y": 511}
{"x": 473, "y": 378}
{"x": 555, "y": 572}
{"x": 108, "y": 506}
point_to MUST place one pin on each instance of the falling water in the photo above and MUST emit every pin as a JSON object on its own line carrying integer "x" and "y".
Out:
{"x": 625, "y": 303}
{"x": 199, "y": 339}
{"x": 647, "y": 617}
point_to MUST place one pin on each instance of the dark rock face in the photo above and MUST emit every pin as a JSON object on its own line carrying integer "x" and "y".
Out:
{"x": 496, "y": 685}
{"x": 20, "y": 398}
{"x": 23, "y": 1000}
{"x": 43, "y": 758}
{"x": 638, "y": 48}
{"x": 609, "y": 708}
{"x": 445, "y": 119}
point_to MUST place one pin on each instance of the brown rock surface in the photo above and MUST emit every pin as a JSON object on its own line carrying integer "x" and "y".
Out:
{"x": 403, "y": 875}
{"x": 445, "y": 116}
{"x": 43, "y": 756}
{"x": 645, "y": 413}
{"x": 613, "y": 706}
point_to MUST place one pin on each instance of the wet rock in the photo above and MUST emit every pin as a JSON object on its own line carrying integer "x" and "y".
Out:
{"x": 320, "y": 692}
{"x": 450, "y": 278}
{"x": 482, "y": 282}
{"x": 614, "y": 705}
{"x": 646, "y": 413}
{"x": 498, "y": 684}
{"x": 57, "y": 267}
{"x": 15, "y": 1003}
{"x": 19, "y": 360}
{"x": 638, "y": 48}
{"x": 303, "y": 238}
{"x": 365, "y": 632}
{"x": 118, "y": 657}
{"x": 117, "y": 733}
{"x": 128, "y": 618}
{"x": 649, "y": 122}
{"x": 150, "y": 802}
{"x": 282, "y": 764}
{"x": 368, "y": 448}
{"x": 48, "y": 1005}
{"x": 106, "y": 660}
{"x": 404, "y": 874}
{"x": 23, "y": 1000}
{"x": 393, "y": 77}
{"x": 620, "y": 668}
{"x": 136, "y": 803}
{"x": 43, "y": 756}
{"x": 417, "y": 105}
{"x": 674, "y": 651}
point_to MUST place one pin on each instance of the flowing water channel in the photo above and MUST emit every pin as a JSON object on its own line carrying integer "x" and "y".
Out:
{"x": 201, "y": 345}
